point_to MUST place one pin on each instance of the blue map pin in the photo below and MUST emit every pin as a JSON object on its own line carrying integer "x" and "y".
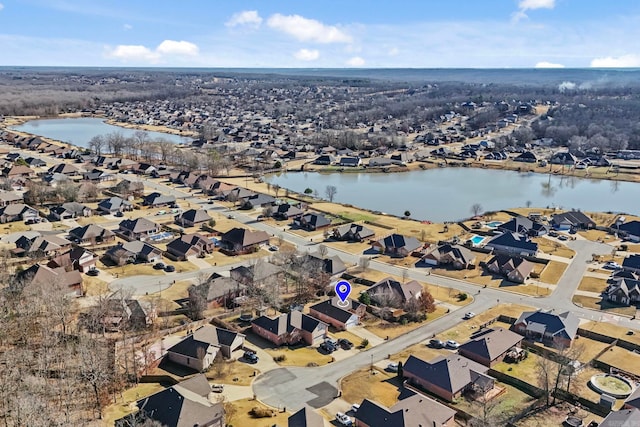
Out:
{"x": 343, "y": 289}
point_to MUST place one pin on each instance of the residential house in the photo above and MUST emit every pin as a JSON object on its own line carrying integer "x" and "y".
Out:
{"x": 397, "y": 245}
{"x": 17, "y": 212}
{"x": 325, "y": 159}
{"x": 629, "y": 230}
{"x": 260, "y": 274}
{"x": 573, "y": 220}
{"x": 312, "y": 221}
{"x": 489, "y": 346}
{"x": 18, "y": 172}
{"x": 241, "y": 241}
{"x": 527, "y": 157}
{"x": 622, "y": 418}
{"x": 525, "y": 226}
{"x": 393, "y": 293}
{"x": 98, "y": 175}
{"x": 156, "y": 200}
{"x": 333, "y": 265}
{"x": 138, "y": 229}
{"x": 563, "y": 158}
{"x": 126, "y": 313}
{"x": 42, "y": 275}
{"x": 77, "y": 258}
{"x": 41, "y": 246}
{"x": 64, "y": 169}
{"x": 69, "y": 210}
{"x": 198, "y": 349}
{"x": 306, "y": 417}
{"x": 10, "y": 197}
{"x": 447, "y": 376}
{"x": 217, "y": 291}
{"x": 290, "y": 328}
{"x": 456, "y": 256}
{"x": 185, "y": 404}
{"x": 413, "y": 411}
{"x": 113, "y": 205}
{"x": 257, "y": 200}
{"x": 351, "y": 162}
{"x": 91, "y": 234}
{"x": 334, "y": 312}
{"x": 192, "y": 218}
{"x": 514, "y": 268}
{"x": 632, "y": 263}
{"x": 512, "y": 243}
{"x": 189, "y": 245}
{"x": 353, "y": 232}
{"x": 624, "y": 291}
{"x": 557, "y": 330}
{"x": 286, "y": 211}
{"x": 133, "y": 251}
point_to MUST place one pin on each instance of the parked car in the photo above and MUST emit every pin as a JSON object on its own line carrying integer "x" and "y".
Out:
{"x": 158, "y": 266}
{"x": 230, "y": 216}
{"x": 328, "y": 347}
{"x": 93, "y": 272}
{"x": 469, "y": 315}
{"x": 436, "y": 343}
{"x": 612, "y": 265}
{"x": 345, "y": 343}
{"x": 119, "y": 214}
{"x": 273, "y": 248}
{"x": 169, "y": 268}
{"x": 217, "y": 388}
{"x": 343, "y": 419}
{"x": 355, "y": 407}
{"x": 553, "y": 233}
{"x": 250, "y": 357}
{"x": 563, "y": 237}
{"x": 261, "y": 218}
{"x": 331, "y": 341}
{"x": 392, "y": 367}
{"x": 452, "y": 344}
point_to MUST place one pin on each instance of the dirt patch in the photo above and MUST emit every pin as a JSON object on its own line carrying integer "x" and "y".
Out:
{"x": 244, "y": 418}
{"x": 553, "y": 248}
{"x": 235, "y": 373}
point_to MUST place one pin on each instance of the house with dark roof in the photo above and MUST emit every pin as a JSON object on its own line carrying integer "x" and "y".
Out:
{"x": 447, "y": 254}
{"x": 447, "y": 376}
{"x": 113, "y": 205}
{"x": 192, "y": 218}
{"x": 287, "y": 211}
{"x": 185, "y": 404}
{"x": 260, "y": 274}
{"x": 156, "y": 200}
{"x": 189, "y": 245}
{"x": 525, "y": 226}
{"x": 257, "y": 200}
{"x": 312, "y": 221}
{"x": 290, "y": 328}
{"x": 341, "y": 316}
{"x": 77, "y": 258}
{"x": 241, "y": 240}
{"x": 91, "y": 234}
{"x": 324, "y": 159}
{"x": 633, "y": 400}
{"x": 630, "y": 230}
{"x": 133, "y": 251}
{"x": 306, "y": 417}
{"x": 563, "y": 158}
{"x": 622, "y": 418}
{"x": 397, "y": 245}
{"x": 138, "y": 229}
{"x": 632, "y": 263}
{"x": 69, "y": 210}
{"x": 17, "y": 212}
{"x": 353, "y": 232}
{"x": 557, "y": 330}
{"x": 413, "y": 411}
{"x": 393, "y": 293}
{"x": 198, "y": 349}
{"x": 489, "y": 346}
{"x": 41, "y": 246}
{"x": 348, "y": 161}
{"x": 512, "y": 243}
{"x": 572, "y": 220}
{"x": 64, "y": 169}
{"x": 331, "y": 265}
{"x": 623, "y": 291}
{"x": 526, "y": 157}
{"x": 512, "y": 267}
{"x": 217, "y": 290}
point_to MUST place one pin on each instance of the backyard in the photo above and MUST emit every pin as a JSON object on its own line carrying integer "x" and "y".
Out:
{"x": 377, "y": 385}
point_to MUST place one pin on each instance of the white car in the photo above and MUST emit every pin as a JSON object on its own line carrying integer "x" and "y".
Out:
{"x": 469, "y": 315}
{"x": 392, "y": 367}
{"x": 343, "y": 419}
{"x": 217, "y": 388}
{"x": 612, "y": 265}
{"x": 452, "y": 344}
{"x": 355, "y": 407}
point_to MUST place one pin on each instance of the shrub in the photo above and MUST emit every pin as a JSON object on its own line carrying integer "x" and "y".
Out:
{"x": 623, "y": 248}
{"x": 462, "y": 296}
{"x": 308, "y": 190}
{"x": 364, "y": 343}
{"x": 280, "y": 358}
{"x": 258, "y": 412}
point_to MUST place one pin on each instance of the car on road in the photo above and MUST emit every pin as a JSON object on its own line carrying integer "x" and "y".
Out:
{"x": 250, "y": 357}
{"x": 261, "y": 218}
{"x": 452, "y": 344}
{"x": 273, "y": 248}
{"x": 230, "y": 216}
{"x": 217, "y": 388}
{"x": 345, "y": 343}
{"x": 169, "y": 268}
{"x": 435, "y": 343}
{"x": 93, "y": 272}
{"x": 392, "y": 367}
{"x": 161, "y": 212}
{"x": 158, "y": 266}
{"x": 328, "y": 347}
{"x": 563, "y": 237}
{"x": 119, "y": 214}
{"x": 469, "y": 315}
{"x": 343, "y": 419}
{"x": 612, "y": 265}
{"x": 553, "y": 233}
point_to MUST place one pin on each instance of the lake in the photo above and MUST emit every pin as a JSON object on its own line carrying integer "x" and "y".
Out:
{"x": 447, "y": 194}
{"x": 78, "y": 131}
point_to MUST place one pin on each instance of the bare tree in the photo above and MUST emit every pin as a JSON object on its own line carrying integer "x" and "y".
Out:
{"x": 363, "y": 263}
{"x": 96, "y": 144}
{"x": 330, "y": 191}
{"x": 476, "y": 209}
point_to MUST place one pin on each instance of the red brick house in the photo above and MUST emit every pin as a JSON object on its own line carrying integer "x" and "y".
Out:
{"x": 290, "y": 328}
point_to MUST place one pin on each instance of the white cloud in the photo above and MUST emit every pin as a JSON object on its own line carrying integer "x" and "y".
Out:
{"x": 525, "y": 5}
{"x": 142, "y": 54}
{"x": 356, "y": 61}
{"x": 1, "y": 6}
{"x": 246, "y": 17}
{"x": 546, "y": 64}
{"x": 305, "y": 29}
{"x": 127, "y": 27}
{"x": 307, "y": 54}
{"x": 172, "y": 47}
{"x": 625, "y": 61}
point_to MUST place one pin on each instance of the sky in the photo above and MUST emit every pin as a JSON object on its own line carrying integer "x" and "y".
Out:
{"x": 321, "y": 33}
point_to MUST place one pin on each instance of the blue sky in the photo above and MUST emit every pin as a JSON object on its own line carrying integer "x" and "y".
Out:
{"x": 335, "y": 34}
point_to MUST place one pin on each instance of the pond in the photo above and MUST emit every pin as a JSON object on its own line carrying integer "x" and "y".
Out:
{"x": 448, "y": 194}
{"x": 78, "y": 131}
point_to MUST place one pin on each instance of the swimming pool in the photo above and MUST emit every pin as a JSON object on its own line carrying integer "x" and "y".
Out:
{"x": 161, "y": 236}
{"x": 493, "y": 224}
{"x": 476, "y": 240}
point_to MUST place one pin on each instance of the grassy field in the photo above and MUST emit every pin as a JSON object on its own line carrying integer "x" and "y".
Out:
{"x": 525, "y": 370}
{"x": 553, "y": 248}
{"x": 13, "y": 227}
{"x": 244, "y": 418}
{"x": 385, "y": 329}
{"x": 592, "y": 284}
{"x": 129, "y": 270}
{"x": 94, "y": 286}
{"x": 301, "y": 356}
{"x": 555, "y": 416}
{"x": 500, "y": 408}
{"x": 235, "y": 373}
{"x": 125, "y": 401}
{"x": 421, "y": 351}
{"x": 597, "y": 236}
{"x": 599, "y": 304}
{"x": 381, "y": 387}
{"x": 552, "y": 272}
{"x": 622, "y": 359}
{"x": 611, "y": 330}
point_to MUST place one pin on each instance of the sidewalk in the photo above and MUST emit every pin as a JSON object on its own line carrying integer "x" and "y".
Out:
{"x": 365, "y": 334}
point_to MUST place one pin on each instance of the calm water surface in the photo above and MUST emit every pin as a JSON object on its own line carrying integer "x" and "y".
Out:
{"x": 447, "y": 194}
{"x": 78, "y": 131}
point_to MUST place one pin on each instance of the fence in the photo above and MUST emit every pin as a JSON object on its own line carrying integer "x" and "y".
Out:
{"x": 523, "y": 386}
